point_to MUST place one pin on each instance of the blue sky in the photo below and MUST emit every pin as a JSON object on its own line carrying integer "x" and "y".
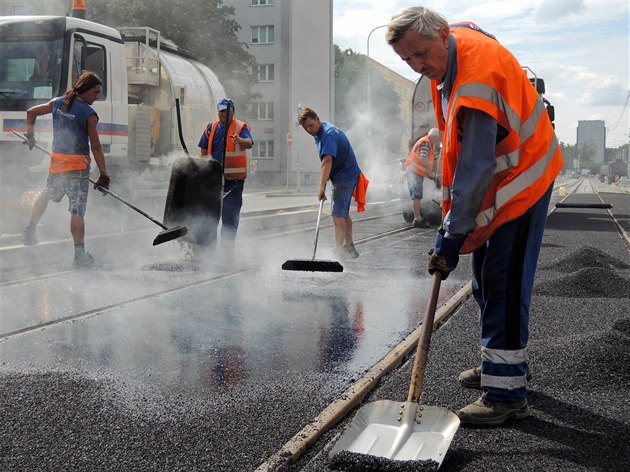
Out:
{"x": 580, "y": 48}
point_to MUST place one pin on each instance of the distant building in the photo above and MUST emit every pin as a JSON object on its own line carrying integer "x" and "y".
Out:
{"x": 591, "y": 135}
{"x": 292, "y": 44}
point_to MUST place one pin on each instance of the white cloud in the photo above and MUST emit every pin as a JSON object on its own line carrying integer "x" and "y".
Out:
{"x": 550, "y": 11}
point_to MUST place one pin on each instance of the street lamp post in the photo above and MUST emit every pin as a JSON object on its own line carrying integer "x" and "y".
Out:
{"x": 369, "y": 91}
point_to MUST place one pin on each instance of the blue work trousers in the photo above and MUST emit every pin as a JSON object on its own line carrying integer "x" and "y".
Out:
{"x": 231, "y": 213}
{"x": 503, "y": 277}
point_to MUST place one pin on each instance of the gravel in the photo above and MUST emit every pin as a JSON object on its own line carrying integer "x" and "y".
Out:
{"x": 579, "y": 353}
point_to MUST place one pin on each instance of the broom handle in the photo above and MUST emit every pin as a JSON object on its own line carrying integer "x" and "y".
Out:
{"x": 422, "y": 350}
{"x": 319, "y": 219}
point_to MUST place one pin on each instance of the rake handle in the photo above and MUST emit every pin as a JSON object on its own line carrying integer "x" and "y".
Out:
{"x": 120, "y": 199}
{"x": 101, "y": 189}
{"x": 422, "y": 350}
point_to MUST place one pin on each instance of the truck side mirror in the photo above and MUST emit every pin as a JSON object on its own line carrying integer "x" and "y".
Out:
{"x": 551, "y": 111}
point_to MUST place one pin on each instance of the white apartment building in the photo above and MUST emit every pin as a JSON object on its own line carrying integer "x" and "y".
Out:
{"x": 591, "y": 134}
{"x": 292, "y": 43}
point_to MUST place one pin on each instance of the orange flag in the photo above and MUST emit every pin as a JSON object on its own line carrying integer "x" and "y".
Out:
{"x": 359, "y": 192}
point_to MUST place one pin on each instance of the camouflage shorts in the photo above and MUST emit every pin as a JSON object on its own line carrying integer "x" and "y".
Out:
{"x": 75, "y": 184}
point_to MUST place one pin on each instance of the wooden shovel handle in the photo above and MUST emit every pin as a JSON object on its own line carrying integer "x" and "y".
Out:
{"x": 422, "y": 350}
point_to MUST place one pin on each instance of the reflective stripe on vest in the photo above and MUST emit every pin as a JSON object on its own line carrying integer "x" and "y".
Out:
{"x": 235, "y": 167}
{"x": 527, "y": 159}
{"x": 527, "y": 128}
{"x": 416, "y": 163}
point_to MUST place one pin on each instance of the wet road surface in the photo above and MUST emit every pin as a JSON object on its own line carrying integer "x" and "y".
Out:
{"x": 148, "y": 349}
{"x": 162, "y": 361}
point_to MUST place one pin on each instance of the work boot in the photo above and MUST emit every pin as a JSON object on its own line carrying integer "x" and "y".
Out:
{"x": 351, "y": 251}
{"x": 471, "y": 378}
{"x": 484, "y": 412}
{"x": 421, "y": 223}
{"x": 29, "y": 237}
{"x": 83, "y": 260}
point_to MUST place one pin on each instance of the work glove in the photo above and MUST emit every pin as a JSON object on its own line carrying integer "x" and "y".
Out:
{"x": 445, "y": 256}
{"x": 103, "y": 181}
{"x": 30, "y": 140}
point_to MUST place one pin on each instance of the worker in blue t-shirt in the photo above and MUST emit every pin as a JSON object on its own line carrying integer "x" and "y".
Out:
{"x": 339, "y": 164}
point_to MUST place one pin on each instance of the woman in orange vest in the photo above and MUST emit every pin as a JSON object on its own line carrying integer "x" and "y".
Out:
{"x": 500, "y": 157}
{"x": 235, "y": 169}
{"x": 419, "y": 164}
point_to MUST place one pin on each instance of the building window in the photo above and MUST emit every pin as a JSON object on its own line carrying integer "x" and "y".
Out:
{"x": 261, "y": 3}
{"x": 263, "y": 150}
{"x": 264, "y": 72}
{"x": 262, "y": 34}
{"x": 263, "y": 110}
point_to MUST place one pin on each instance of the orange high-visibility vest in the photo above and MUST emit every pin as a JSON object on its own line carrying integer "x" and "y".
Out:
{"x": 528, "y": 159}
{"x": 423, "y": 167}
{"x": 235, "y": 159}
{"x": 60, "y": 163}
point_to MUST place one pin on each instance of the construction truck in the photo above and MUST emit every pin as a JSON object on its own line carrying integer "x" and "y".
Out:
{"x": 42, "y": 56}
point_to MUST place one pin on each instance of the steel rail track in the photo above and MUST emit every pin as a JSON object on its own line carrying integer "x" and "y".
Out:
{"x": 217, "y": 278}
{"x": 159, "y": 293}
{"x": 262, "y": 237}
{"x": 624, "y": 235}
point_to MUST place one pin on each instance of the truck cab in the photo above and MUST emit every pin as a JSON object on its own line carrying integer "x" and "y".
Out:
{"x": 42, "y": 56}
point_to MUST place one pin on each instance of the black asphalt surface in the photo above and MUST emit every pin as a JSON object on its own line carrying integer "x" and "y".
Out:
{"x": 84, "y": 417}
{"x": 579, "y": 354}
{"x": 206, "y": 377}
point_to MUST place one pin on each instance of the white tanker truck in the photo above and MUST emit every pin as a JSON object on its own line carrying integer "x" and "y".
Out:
{"x": 42, "y": 56}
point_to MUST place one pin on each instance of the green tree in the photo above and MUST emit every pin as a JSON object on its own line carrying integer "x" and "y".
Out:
{"x": 205, "y": 28}
{"x": 351, "y": 108}
{"x": 569, "y": 154}
{"x": 585, "y": 155}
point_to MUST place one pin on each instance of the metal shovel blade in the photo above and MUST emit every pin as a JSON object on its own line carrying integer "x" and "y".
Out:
{"x": 400, "y": 431}
{"x": 170, "y": 234}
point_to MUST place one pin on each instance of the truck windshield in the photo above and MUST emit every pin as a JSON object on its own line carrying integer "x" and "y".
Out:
{"x": 30, "y": 69}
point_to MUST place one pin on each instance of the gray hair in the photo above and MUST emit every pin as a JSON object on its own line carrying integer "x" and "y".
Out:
{"x": 425, "y": 21}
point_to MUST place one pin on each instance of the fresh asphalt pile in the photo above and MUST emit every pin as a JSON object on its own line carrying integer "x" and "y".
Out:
{"x": 79, "y": 420}
{"x": 579, "y": 352}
